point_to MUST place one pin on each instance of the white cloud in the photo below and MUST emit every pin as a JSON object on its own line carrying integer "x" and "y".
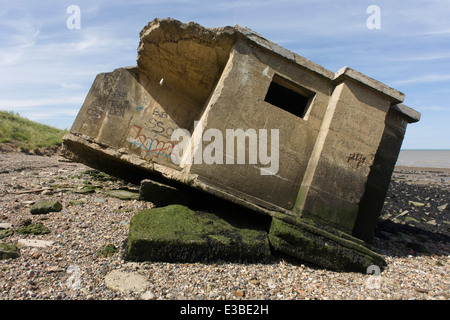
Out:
{"x": 421, "y": 56}
{"x": 434, "y": 108}
{"x": 96, "y": 40}
{"x": 26, "y": 104}
{"x": 424, "y": 79}
{"x": 54, "y": 113}
{"x": 17, "y": 37}
{"x": 71, "y": 86}
{"x": 443, "y": 32}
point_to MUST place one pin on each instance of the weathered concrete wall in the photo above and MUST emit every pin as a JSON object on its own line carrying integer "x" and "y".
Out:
{"x": 337, "y": 177}
{"x": 239, "y": 103}
{"x": 137, "y": 109}
{"x": 379, "y": 177}
{"x": 189, "y": 57}
{"x": 121, "y": 112}
{"x": 335, "y": 158}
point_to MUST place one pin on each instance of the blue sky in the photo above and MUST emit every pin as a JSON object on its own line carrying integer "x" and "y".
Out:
{"x": 46, "y": 69}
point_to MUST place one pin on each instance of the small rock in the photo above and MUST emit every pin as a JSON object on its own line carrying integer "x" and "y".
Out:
{"x": 82, "y": 190}
{"x": 118, "y": 207}
{"x": 8, "y": 251}
{"x": 53, "y": 269}
{"x": 77, "y": 202}
{"x": 402, "y": 213}
{"x": 43, "y": 207}
{"x": 34, "y": 228}
{"x": 123, "y": 194}
{"x": 148, "y": 295}
{"x": 238, "y": 293}
{"x": 213, "y": 295}
{"x": 5, "y": 225}
{"x": 46, "y": 192}
{"x": 125, "y": 281}
{"x": 36, "y": 255}
{"x": 34, "y": 243}
{"x": 271, "y": 284}
{"x": 5, "y": 233}
{"x": 411, "y": 219}
{"x": 421, "y": 290}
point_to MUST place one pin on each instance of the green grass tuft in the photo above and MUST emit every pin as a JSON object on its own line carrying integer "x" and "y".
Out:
{"x": 33, "y": 135}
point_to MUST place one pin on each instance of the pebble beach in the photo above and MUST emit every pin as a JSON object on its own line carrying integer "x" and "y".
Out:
{"x": 82, "y": 255}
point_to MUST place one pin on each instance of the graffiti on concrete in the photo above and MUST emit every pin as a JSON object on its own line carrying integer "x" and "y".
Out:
{"x": 357, "y": 158}
{"x": 150, "y": 146}
{"x": 95, "y": 111}
{"x": 118, "y": 108}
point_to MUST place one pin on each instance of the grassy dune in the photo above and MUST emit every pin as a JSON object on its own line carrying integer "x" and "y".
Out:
{"x": 27, "y": 134}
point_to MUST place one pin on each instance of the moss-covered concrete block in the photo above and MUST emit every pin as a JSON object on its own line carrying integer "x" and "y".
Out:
{"x": 5, "y": 233}
{"x": 43, "y": 207}
{"x": 87, "y": 189}
{"x": 77, "y": 202}
{"x": 311, "y": 244}
{"x": 34, "y": 228}
{"x": 123, "y": 194}
{"x": 161, "y": 194}
{"x": 176, "y": 233}
{"x": 8, "y": 251}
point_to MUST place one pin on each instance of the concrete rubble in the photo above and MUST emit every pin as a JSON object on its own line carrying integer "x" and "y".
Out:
{"x": 336, "y": 136}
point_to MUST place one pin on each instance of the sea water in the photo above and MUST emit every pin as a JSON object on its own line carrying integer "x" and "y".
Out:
{"x": 424, "y": 158}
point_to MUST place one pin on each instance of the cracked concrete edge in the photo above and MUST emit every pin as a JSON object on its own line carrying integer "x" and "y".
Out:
{"x": 212, "y": 34}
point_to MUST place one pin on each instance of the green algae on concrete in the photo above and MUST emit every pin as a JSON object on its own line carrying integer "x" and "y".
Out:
{"x": 123, "y": 194}
{"x": 176, "y": 233}
{"x": 43, "y": 207}
{"x": 8, "y": 251}
{"x": 78, "y": 202}
{"x": 5, "y": 233}
{"x": 88, "y": 188}
{"x": 308, "y": 243}
{"x": 34, "y": 228}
